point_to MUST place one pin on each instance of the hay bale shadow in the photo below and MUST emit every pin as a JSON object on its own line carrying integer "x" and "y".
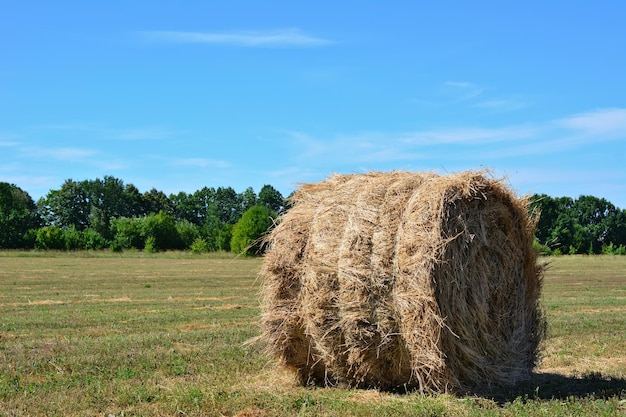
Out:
{"x": 552, "y": 386}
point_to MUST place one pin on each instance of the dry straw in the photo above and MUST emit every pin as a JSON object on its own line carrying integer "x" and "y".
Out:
{"x": 404, "y": 281}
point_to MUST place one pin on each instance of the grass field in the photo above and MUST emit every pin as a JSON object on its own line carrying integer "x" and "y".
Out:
{"x": 163, "y": 335}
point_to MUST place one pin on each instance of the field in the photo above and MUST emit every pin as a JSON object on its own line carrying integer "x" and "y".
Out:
{"x": 163, "y": 335}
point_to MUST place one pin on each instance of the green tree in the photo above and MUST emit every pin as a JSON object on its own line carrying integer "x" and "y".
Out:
{"x": 555, "y": 225}
{"x": 226, "y": 206}
{"x": 161, "y": 227}
{"x": 187, "y": 232}
{"x": 70, "y": 205}
{"x": 271, "y": 198}
{"x": 616, "y": 228}
{"x": 185, "y": 207}
{"x": 248, "y": 199}
{"x": 249, "y": 230}
{"x": 18, "y": 216}
{"x": 127, "y": 233}
{"x": 155, "y": 201}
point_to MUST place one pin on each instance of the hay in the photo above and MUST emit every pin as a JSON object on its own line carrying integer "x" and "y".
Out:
{"x": 404, "y": 281}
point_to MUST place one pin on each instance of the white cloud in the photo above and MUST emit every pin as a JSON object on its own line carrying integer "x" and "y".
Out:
{"x": 602, "y": 122}
{"x": 479, "y": 144}
{"x": 278, "y": 38}
{"x": 468, "y": 135}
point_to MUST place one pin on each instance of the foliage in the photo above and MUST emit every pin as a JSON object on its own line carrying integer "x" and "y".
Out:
{"x": 127, "y": 233}
{"x": 187, "y": 233}
{"x": 161, "y": 227}
{"x": 18, "y": 215}
{"x": 253, "y": 225}
{"x": 151, "y": 245}
{"x": 271, "y": 198}
{"x": 94, "y": 214}
{"x": 199, "y": 245}
{"x": 581, "y": 226}
{"x": 50, "y": 237}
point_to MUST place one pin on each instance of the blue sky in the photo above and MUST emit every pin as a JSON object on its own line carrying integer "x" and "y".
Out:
{"x": 181, "y": 95}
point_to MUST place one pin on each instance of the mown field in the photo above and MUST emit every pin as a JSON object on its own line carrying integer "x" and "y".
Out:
{"x": 99, "y": 334}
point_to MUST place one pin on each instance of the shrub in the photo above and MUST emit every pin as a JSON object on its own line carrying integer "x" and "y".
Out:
{"x": 151, "y": 246}
{"x": 254, "y": 223}
{"x": 199, "y": 246}
{"x": 73, "y": 238}
{"x": 91, "y": 239}
{"x": 187, "y": 232}
{"x": 162, "y": 228}
{"x": 126, "y": 233}
{"x": 50, "y": 237}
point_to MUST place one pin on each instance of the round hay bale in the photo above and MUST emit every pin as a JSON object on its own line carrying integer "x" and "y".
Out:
{"x": 404, "y": 280}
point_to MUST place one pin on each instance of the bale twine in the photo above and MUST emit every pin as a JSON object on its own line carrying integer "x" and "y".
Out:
{"x": 404, "y": 281}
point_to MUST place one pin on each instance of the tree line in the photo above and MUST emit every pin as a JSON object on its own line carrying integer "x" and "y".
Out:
{"x": 106, "y": 213}
{"x": 586, "y": 225}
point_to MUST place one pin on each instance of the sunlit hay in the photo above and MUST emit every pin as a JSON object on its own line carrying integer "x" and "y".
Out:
{"x": 404, "y": 281}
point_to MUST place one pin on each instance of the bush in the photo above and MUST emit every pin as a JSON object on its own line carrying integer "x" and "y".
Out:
{"x": 254, "y": 223}
{"x": 199, "y": 246}
{"x": 93, "y": 240}
{"x": 126, "y": 233}
{"x": 187, "y": 232}
{"x": 50, "y": 237}
{"x": 151, "y": 246}
{"x": 73, "y": 238}
{"x": 162, "y": 228}
{"x": 541, "y": 249}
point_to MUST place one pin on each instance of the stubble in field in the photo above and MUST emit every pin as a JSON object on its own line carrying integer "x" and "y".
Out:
{"x": 99, "y": 334}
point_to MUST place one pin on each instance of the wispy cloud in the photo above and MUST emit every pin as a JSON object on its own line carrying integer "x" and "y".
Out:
{"x": 468, "y": 135}
{"x": 61, "y": 154}
{"x": 102, "y": 132}
{"x": 502, "y": 105}
{"x": 604, "y": 122}
{"x": 200, "y": 162}
{"x": 465, "y": 93}
{"x": 465, "y": 143}
{"x": 463, "y": 90}
{"x": 276, "y": 38}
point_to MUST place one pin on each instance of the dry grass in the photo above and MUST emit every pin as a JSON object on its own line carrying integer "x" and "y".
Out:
{"x": 404, "y": 281}
{"x": 164, "y": 354}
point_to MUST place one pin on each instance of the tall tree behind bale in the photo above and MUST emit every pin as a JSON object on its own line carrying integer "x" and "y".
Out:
{"x": 409, "y": 280}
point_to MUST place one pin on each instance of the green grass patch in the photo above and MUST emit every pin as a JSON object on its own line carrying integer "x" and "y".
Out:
{"x": 99, "y": 333}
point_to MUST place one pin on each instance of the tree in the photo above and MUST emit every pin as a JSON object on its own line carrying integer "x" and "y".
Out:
{"x": 127, "y": 233}
{"x": 18, "y": 216}
{"x": 226, "y": 206}
{"x": 271, "y": 198}
{"x": 555, "y": 226}
{"x": 161, "y": 228}
{"x": 155, "y": 201}
{"x": 248, "y": 199}
{"x": 67, "y": 206}
{"x": 247, "y": 232}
